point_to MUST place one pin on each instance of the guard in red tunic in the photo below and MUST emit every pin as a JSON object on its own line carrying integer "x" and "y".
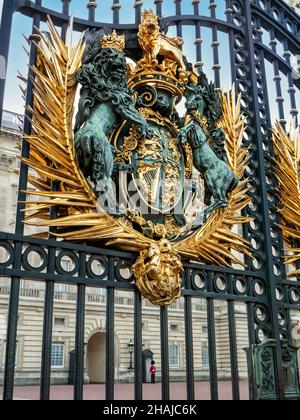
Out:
{"x": 153, "y": 372}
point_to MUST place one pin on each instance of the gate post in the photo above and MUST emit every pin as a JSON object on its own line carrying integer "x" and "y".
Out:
{"x": 266, "y": 224}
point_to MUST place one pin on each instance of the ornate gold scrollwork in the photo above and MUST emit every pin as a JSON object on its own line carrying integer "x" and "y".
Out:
{"x": 157, "y": 271}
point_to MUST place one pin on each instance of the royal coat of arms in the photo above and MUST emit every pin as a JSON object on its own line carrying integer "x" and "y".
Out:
{"x": 130, "y": 171}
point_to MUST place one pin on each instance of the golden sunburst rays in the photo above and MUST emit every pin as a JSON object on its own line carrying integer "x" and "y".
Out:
{"x": 52, "y": 155}
{"x": 216, "y": 242}
{"x": 287, "y": 171}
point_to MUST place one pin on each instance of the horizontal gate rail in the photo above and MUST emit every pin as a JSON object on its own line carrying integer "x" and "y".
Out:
{"x": 29, "y": 9}
{"x": 51, "y": 253}
{"x": 7, "y": 237}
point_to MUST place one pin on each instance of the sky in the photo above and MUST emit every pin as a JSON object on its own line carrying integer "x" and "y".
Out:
{"x": 22, "y": 25}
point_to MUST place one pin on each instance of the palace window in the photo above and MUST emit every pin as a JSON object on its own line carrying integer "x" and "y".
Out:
{"x": 205, "y": 357}
{"x": 174, "y": 356}
{"x": 61, "y": 288}
{"x": 174, "y": 328}
{"x": 99, "y": 291}
{"x": 60, "y": 322}
{"x": 57, "y": 355}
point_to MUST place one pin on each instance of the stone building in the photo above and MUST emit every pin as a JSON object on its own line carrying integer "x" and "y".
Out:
{"x": 29, "y": 345}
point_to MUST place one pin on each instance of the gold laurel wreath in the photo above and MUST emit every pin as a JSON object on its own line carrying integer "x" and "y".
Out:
{"x": 53, "y": 160}
{"x": 287, "y": 171}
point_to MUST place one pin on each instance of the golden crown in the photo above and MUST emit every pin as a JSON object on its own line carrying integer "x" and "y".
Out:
{"x": 114, "y": 41}
{"x": 150, "y": 15}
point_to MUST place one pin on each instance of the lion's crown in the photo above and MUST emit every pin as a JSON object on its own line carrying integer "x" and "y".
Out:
{"x": 114, "y": 41}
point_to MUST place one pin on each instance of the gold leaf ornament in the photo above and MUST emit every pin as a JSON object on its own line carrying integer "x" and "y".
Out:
{"x": 287, "y": 171}
{"x": 157, "y": 273}
{"x": 53, "y": 156}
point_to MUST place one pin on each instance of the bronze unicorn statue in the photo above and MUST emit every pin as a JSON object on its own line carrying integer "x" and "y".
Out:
{"x": 220, "y": 179}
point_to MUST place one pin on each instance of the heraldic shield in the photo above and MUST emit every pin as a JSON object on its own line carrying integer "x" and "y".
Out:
{"x": 133, "y": 172}
{"x": 153, "y": 188}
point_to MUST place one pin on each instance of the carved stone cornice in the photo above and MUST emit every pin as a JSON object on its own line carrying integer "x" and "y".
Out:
{"x": 11, "y": 135}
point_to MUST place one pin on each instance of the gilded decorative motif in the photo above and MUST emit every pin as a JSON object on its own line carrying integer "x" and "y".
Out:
{"x": 157, "y": 271}
{"x": 287, "y": 170}
{"x": 130, "y": 171}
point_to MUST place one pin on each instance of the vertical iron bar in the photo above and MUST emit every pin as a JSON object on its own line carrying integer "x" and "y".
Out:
{"x": 116, "y": 11}
{"x": 158, "y": 7}
{"x": 65, "y": 11}
{"x": 138, "y": 11}
{"x": 138, "y": 344}
{"x": 214, "y": 393}
{"x": 79, "y": 336}
{"x": 277, "y": 80}
{"x": 92, "y": 5}
{"x": 271, "y": 281}
{"x": 198, "y": 42}
{"x": 289, "y": 325}
{"x": 8, "y": 9}
{"x": 215, "y": 45}
{"x": 233, "y": 352}
{"x": 47, "y": 331}
{"x": 165, "y": 370}
{"x": 178, "y": 13}
{"x": 252, "y": 342}
{"x": 251, "y": 324}
{"x": 12, "y": 327}
{"x": 228, "y": 13}
{"x": 27, "y": 129}
{"x": 110, "y": 334}
{"x": 292, "y": 89}
{"x": 188, "y": 307}
{"x": 48, "y": 316}
{"x": 12, "y": 323}
{"x": 79, "y": 341}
